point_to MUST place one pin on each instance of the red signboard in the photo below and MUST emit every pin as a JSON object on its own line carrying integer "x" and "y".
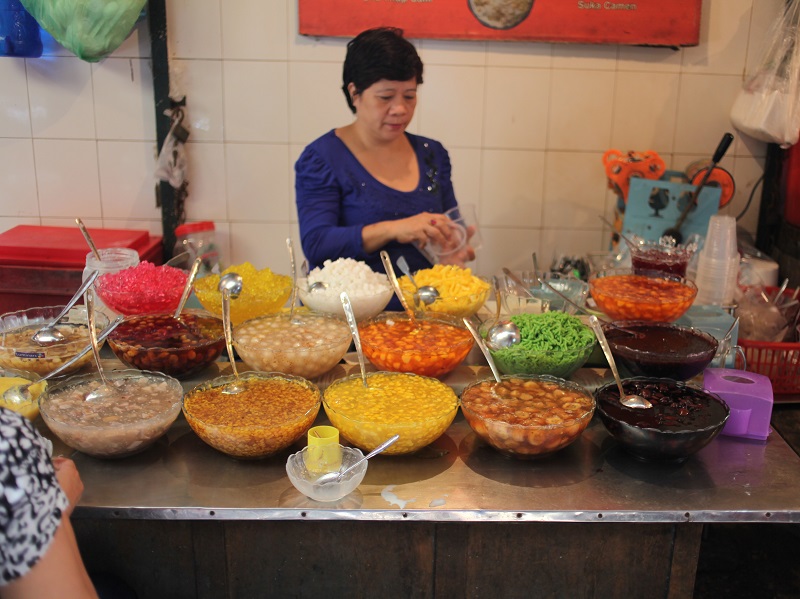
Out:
{"x": 639, "y": 22}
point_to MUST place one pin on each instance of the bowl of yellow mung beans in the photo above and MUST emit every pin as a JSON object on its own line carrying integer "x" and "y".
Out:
{"x": 417, "y": 408}
{"x": 271, "y": 412}
{"x": 263, "y": 292}
{"x": 461, "y": 293}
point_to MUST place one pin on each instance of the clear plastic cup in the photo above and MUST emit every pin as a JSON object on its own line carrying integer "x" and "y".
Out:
{"x": 466, "y": 216}
{"x": 716, "y": 280}
{"x": 720, "y": 242}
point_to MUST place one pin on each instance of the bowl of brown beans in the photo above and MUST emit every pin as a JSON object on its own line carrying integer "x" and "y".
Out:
{"x": 527, "y": 416}
{"x": 272, "y": 411}
{"x": 132, "y": 412}
{"x": 307, "y": 344}
{"x": 433, "y": 345}
{"x": 18, "y": 350}
{"x": 682, "y": 421}
{"x": 417, "y": 408}
{"x": 179, "y": 347}
{"x": 644, "y": 295}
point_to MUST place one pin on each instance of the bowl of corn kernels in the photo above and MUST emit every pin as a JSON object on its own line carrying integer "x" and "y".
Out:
{"x": 461, "y": 293}
{"x": 272, "y": 411}
{"x": 417, "y": 408}
{"x": 263, "y": 292}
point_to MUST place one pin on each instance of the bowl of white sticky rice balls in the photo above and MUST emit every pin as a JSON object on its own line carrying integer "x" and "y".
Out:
{"x": 369, "y": 291}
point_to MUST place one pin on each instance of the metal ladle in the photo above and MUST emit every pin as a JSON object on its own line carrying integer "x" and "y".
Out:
{"x": 427, "y": 294}
{"x": 335, "y": 477}
{"x": 188, "y": 287}
{"x": 21, "y": 393}
{"x": 631, "y": 401}
{"x": 293, "y": 267}
{"x": 387, "y": 265}
{"x": 351, "y": 321}
{"x": 49, "y": 334}
{"x": 483, "y": 348}
{"x": 101, "y": 391}
{"x": 317, "y": 286}
{"x": 88, "y": 239}
{"x": 230, "y": 286}
{"x": 503, "y": 333}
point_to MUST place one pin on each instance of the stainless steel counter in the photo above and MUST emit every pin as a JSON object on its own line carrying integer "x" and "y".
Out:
{"x": 456, "y": 479}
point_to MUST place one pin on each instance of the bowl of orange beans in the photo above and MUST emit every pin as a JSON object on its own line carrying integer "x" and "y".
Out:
{"x": 432, "y": 345}
{"x": 646, "y": 295}
{"x": 417, "y": 408}
{"x": 527, "y": 416}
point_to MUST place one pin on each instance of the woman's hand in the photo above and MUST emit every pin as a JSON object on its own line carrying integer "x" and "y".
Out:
{"x": 464, "y": 255}
{"x": 69, "y": 480}
{"x": 420, "y": 229}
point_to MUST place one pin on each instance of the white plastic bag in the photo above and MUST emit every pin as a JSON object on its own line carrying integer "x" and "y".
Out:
{"x": 768, "y": 105}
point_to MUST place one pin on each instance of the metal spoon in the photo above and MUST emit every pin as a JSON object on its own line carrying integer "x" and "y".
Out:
{"x": 49, "y": 334}
{"x": 631, "y": 401}
{"x": 335, "y": 477}
{"x": 351, "y": 321}
{"x": 101, "y": 391}
{"x": 387, "y": 265}
{"x": 503, "y": 333}
{"x": 427, "y": 294}
{"x": 88, "y": 239}
{"x": 21, "y": 394}
{"x": 188, "y": 287}
{"x": 483, "y": 348}
{"x": 230, "y": 286}
{"x": 318, "y": 285}
{"x": 293, "y": 267}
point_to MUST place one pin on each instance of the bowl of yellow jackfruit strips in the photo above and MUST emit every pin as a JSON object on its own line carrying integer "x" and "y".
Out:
{"x": 461, "y": 293}
{"x": 11, "y": 377}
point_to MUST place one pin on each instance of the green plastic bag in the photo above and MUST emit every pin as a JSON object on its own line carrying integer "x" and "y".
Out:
{"x": 92, "y": 29}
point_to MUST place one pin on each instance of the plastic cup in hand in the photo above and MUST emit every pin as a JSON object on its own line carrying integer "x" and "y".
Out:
{"x": 466, "y": 216}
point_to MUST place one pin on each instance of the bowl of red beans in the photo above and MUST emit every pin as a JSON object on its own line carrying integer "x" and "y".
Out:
{"x": 527, "y": 416}
{"x": 142, "y": 289}
{"x": 432, "y": 345}
{"x": 178, "y": 347}
{"x": 623, "y": 294}
{"x": 682, "y": 421}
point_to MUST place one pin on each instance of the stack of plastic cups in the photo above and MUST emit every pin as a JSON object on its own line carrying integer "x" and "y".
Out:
{"x": 718, "y": 264}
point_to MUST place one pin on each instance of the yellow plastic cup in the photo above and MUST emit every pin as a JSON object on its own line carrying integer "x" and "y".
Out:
{"x": 324, "y": 454}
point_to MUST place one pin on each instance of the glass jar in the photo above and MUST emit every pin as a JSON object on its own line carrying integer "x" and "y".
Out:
{"x": 111, "y": 260}
{"x": 198, "y": 240}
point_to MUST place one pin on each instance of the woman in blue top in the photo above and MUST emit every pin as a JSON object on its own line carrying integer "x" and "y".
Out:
{"x": 370, "y": 185}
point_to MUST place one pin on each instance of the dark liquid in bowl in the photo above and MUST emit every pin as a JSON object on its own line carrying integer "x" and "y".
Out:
{"x": 662, "y": 349}
{"x": 672, "y": 262}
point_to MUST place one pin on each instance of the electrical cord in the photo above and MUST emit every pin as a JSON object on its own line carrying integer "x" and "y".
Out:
{"x": 750, "y": 199}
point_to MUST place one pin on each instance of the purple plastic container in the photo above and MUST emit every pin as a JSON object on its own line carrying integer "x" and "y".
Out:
{"x": 748, "y": 395}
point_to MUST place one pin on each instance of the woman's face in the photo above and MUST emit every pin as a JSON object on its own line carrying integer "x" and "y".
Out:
{"x": 386, "y": 107}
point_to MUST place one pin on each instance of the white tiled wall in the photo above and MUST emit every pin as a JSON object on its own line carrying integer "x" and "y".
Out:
{"x": 526, "y": 125}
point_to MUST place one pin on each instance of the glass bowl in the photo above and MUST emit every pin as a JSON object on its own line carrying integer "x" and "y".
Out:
{"x": 308, "y": 345}
{"x": 417, "y": 408}
{"x": 664, "y": 432}
{"x": 648, "y": 295}
{"x": 544, "y": 299}
{"x": 660, "y": 349}
{"x": 142, "y": 289}
{"x": 11, "y": 377}
{"x": 434, "y": 346}
{"x": 160, "y": 342}
{"x": 263, "y": 292}
{"x": 328, "y": 301}
{"x": 551, "y": 343}
{"x": 304, "y": 481}
{"x": 272, "y": 412}
{"x": 527, "y": 416}
{"x": 137, "y": 409}
{"x": 19, "y": 351}
{"x": 461, "y": 294}
{"x": 661, "y": 256}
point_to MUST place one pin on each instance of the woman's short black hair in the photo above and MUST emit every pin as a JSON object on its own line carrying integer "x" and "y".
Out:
{"x": 380, "y": 53}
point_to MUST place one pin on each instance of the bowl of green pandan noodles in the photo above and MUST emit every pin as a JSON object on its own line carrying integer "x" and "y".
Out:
{"x": 551, "y": 343}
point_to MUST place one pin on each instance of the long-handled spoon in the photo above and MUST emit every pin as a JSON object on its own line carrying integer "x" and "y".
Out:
{"x": 188, "y": 287}
{"x": 631, "y": 401}
{"x": 101, "y": 391}
{"x": 334, "y": 477}
{"x": 293, "y": 267}
{"x": 316, "y": 286}
{"x": 483, "y": 348}
{"x": 387, "y": 265}
{"x": 427, "y": 294}
{"x": 88, "y": 239}
{"x": 49, "y": 334}
{"x": 21, "y": 393}
{"x": 230, "y": 286}
{"x": 351, "y": 321}
{"x": 503, "y": 333}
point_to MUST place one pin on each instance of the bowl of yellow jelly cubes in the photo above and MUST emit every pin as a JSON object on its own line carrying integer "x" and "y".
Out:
{"x": 12, "y": 378}
{"x": 263, "y": 292}
{"x": 461, "y": 293}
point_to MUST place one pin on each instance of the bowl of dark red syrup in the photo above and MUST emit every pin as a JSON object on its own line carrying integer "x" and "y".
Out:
{"x": 660, "y": 349}
{"x": 682, "y": 421}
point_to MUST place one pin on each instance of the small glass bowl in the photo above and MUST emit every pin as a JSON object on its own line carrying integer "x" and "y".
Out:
{"x": 544, "y": 299}
{"x": 647, "y": 295}
{"x": 304, "y": 481}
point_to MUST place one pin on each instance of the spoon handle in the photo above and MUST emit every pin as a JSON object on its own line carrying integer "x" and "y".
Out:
{"x": 519, "y": 283}
{"x": 374, "y": 452}
{"x": 483, "y": 348}
{"x": 188, "y": 288}
{"x": 387, "y": 265}
{"x": 93, "y": 335}
{"x": 86, "y": 284}
{"x": 88, "y": 239}
{"x": 351, "y": 321}
{"x": 293, "y": 268}
{"x": 601, "y": 338}
{"x": 227, "y": 329}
